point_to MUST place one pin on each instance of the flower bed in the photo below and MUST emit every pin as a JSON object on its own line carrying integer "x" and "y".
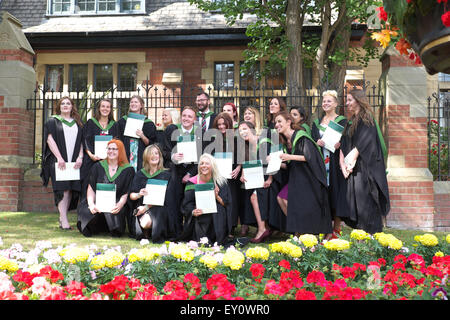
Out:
{"x": 356, "y": 267}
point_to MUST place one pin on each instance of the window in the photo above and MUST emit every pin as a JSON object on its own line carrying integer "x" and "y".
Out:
{"x": 68, "y": 7}
{"x": 127, "y": 74}
{"x": 54, "y": 77}
{"x": 444, "y": 77}
{"x": 224, "y": 75}
{"x": 103, "y": 77}
{"x": 250, "y": 80}
{"x": 276, "y": 79}
{"x": 78, "y": 77}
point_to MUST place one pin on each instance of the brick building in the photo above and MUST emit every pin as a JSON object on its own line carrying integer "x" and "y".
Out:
{"x": 93, "y": 45}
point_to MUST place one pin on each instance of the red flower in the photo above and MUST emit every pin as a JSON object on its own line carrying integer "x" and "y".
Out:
{"x": 75, "y": 288}
{"x": 315, "y": 277}
{"x": 382, "y": 14}
{"x": 50, "y": 274}
{"x": 25, "y": 279}
{"x": 257, "y": 271}
{"x": 285, "y": 264}
{"x": 303, "y": 294}
{"x": 446, "y": 18}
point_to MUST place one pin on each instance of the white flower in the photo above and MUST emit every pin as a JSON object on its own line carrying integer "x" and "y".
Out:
{"x": 43, "y": 244}
{"x": 144, "y": 242}
{"x": 204, "y": 240}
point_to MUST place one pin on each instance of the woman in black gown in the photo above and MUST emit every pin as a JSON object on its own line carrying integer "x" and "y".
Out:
{"x": 63, "y": 137}
{"x": 215, "y": 226}
{"x": 366, "y": 193}
{"x": 157, "y": 222}
{"x": 335, "y": 178}
{"x": 308, "y": 210}
{"x": 116, "y": 170}
{"x": 102, "y": 124}
{"x": 134, "y": 147}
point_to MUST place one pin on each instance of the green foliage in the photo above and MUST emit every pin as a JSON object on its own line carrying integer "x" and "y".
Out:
{"x": 438, "y": 154}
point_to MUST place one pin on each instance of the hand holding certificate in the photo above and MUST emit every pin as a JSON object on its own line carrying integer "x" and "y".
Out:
{"x": 275, "y": 160}
{"x": 135, "y": 121}
{"x": 205, "y": 198}
{"x": 105, "y": 197}
{"x": 67, "y": 174}
{"x": 253, "y": 174}
{"x": 224, "y": 162}
{"x": 187, "y": 145}
{"x": 101, "y": 143}
{"x": 156, "y": 192}
{"x": 350, "y": 159}
{"x": 332, "y": 135}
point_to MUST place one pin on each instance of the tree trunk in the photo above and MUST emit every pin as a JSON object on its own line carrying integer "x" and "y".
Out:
{"x": 294, "y": 66}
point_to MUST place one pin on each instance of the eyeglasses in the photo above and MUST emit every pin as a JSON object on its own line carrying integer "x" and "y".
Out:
{"x": 112, "y": 149}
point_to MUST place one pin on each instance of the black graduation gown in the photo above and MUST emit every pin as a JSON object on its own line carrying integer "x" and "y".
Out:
{"x": 89, "y": 223}
{"x": 215, "y": 226}
{"x": 180, "y": 170}
{"x": 367, "y": 192}
{"x": 91, "y": 129}
{"x": 54, "y": 127}
{"x": 308, "y": 208}
{"x": 247, "y": 216}
{"x": 336, "y": 178}
{"x": 163, "y": 219}
{"x": 149, "y": 130}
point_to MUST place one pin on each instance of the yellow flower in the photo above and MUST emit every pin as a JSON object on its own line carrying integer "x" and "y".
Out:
{"x": 233, "y": 259}
{"x": 439, "y": 254}
{"x": 142, "y": 255}
{"x": 358, "y": 234}
{"x": 113, "y": 258}
{"x": 337, "y": 245}
{"x": 308, "y": 240}
{"x": 427, "y": 239}
{"x": 448, "y": 238}
{"x": 8, "y": 265}
{"x": 258, "y": 253}
{"x": 388, "y": 240}
{"x": 209, "y": 261}
{"x": 287, "y": 248}
{"x": 74, "y": 254}
{"x": 98, "y": 262}
{"x": 181, "y": 251}
{"x": 384, "y": 36}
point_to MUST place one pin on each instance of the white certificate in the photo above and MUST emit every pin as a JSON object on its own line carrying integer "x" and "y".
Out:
{"x": 187, "y": 145}
{"x": 101, "y": 143}
{"x": 253, "y": 174}
{"x": 156, "y": 192}
{"x": 105, "y": 196}
{"x": 350, "y": 156}
{"x": 224, "y": 162}
{"x": 135, "y": 121}
{"x": 274, "y": 162}
{"x": 67, "y": 174}
{"x": 205, "y": 197}
{"x": 332, "y": 135}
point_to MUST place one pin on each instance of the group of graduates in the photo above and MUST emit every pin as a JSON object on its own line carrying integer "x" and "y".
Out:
{"x": 312, "y": 192}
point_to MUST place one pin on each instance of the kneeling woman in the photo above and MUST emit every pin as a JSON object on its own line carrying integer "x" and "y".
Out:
{"x": 215, "y": 226}
{"x": 308, "y": 208}
{"x": 151, "y": 220}
{"x": 114, "y": 170}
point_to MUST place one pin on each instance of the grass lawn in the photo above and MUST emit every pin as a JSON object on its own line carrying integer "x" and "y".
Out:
{"x": 27, "y": 228}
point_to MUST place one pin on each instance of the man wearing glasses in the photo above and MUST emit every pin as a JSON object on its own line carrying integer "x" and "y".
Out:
{"x": 204, "y": 115}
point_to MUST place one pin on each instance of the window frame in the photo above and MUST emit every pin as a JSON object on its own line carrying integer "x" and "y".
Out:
{"x": 227, "y": 87}
{"x": 74, "y": 12}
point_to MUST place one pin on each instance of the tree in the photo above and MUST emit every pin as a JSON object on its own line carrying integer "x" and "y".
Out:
{"x": 278, "y": 34}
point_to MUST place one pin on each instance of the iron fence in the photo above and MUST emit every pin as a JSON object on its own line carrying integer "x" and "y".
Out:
{"x": 157, "y": 98}
{"x": 438, "y": 135}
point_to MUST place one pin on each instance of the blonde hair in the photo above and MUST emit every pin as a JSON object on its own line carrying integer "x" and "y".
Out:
{"x": 216, "y": 176}
{"x": 258, "y": 122}
{"x": 146, "y": 155}
{"x": 331, "y": 93}
{"x": 175, "y": 115}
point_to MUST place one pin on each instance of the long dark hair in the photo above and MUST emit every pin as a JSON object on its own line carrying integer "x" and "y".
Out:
{"x": 283, "y": 107}
{"x": 303, "y": 113}
{"x": 295, "y": 126}
{"x": 365, "y": 113}
{"x": 97, "y": 114}
{"x": 74, "y": 113}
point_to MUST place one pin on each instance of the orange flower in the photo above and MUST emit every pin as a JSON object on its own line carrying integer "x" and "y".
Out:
{"x": 402, "y": 46}
{"x": 384, "y": 37}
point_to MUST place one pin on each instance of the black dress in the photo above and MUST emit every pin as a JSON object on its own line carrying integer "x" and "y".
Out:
{"x": 308, "y": 208}
{"x": 215, "y": 226}
{"x": 89, "y": 223}
{"x": 179, "y": 170}
{"x": 149, "y": 130}
{"x": 366, "y": 192}
{"x": 54, "y": 126}
{"x": 91, "y": 129}
{"x": 336, "y": 179}
{"x": 163, "y": 219}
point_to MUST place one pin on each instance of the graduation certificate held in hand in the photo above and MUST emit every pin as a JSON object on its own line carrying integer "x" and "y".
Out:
{"x": 205, "y": 198}
{"x": 105, "y": 196}
{"x": 101, "y": 143}
{"x": 67, "y": 174}
{"x": 254, "y": 174}
{"x": 135, "y": 121}
{"x": 332, "y": 135}
{"x": 156, "y": 192}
